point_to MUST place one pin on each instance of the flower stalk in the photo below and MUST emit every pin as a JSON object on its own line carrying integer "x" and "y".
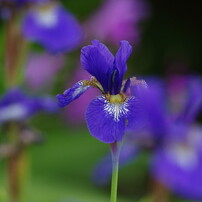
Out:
{"x": 115, "y": 151}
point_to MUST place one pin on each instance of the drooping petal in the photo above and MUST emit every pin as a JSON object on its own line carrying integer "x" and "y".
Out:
{"x": 98, "y": 61}
{"x": 121, "y": 58}
{"x": 108, "y": 121}
{"x": 72, "y": 94}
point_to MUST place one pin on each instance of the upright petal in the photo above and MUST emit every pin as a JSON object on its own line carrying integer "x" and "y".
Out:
{"x": 120, "y": 65}
{"x": 72, "y": 94}
{"x": 104, "y": 50}
{"x": 107, "y": 121}
{"x": 122, "y": 56}
{"x": 98, "y": 61}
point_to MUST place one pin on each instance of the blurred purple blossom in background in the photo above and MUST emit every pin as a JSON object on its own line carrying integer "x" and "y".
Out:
{"x": 16, "y": 106}
{"x": 178, "y": 163}
{"x": 53, "y": 27}
{"x": 177, "y": 160}
{"x": 118, "y": 20}
{"x": 41, "y": 69}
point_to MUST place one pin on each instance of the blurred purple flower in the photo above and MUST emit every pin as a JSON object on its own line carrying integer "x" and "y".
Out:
{"x": 41, "y": 69}
{"x": 177, "y": 159}
{"x": 53, "y": 27}
{"x": 178, "y": 163}
{"x": 118, "y": 20}
{"x": 16, "y": 106}
{"x": 109, "y": 115}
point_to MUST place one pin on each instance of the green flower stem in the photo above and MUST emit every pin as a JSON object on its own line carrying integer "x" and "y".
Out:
{"x": 115, "y": 150}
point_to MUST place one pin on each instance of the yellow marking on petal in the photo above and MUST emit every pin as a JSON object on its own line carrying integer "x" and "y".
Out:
{"x": 119, "y": 98}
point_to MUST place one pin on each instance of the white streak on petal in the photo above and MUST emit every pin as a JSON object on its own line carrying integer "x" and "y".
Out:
{"x": 80, "y": 89}
{"x": 116, "y": 110}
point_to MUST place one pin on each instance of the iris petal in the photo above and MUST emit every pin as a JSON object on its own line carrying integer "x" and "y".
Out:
{"x": 122, "y": 56}
{"x": 120, "y": 66}
{"x": 72, "y": 94}
{"x": 107, "y": 121}
{"x": 104, "y": 50}
{"x": 98, "y": 61}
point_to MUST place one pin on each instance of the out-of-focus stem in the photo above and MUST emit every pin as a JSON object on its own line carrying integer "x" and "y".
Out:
{"x": 13, "y": 165}
{"x": 11, "y": 51}
{"x": 14, "y": 177}
{"x": 115, "y": 169}
{"x": 17, "y": 171}
{"x": 16, "y": 51}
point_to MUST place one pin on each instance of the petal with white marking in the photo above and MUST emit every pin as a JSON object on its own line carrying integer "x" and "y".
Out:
{"x": 107, "y": 121}
{"x": 72, "y": 94}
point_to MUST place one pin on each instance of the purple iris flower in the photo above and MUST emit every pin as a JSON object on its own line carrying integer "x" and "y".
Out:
{"x": 53, "y": 27}
{"x": 16, "y": 106}
{"x": 108, "y": 116}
